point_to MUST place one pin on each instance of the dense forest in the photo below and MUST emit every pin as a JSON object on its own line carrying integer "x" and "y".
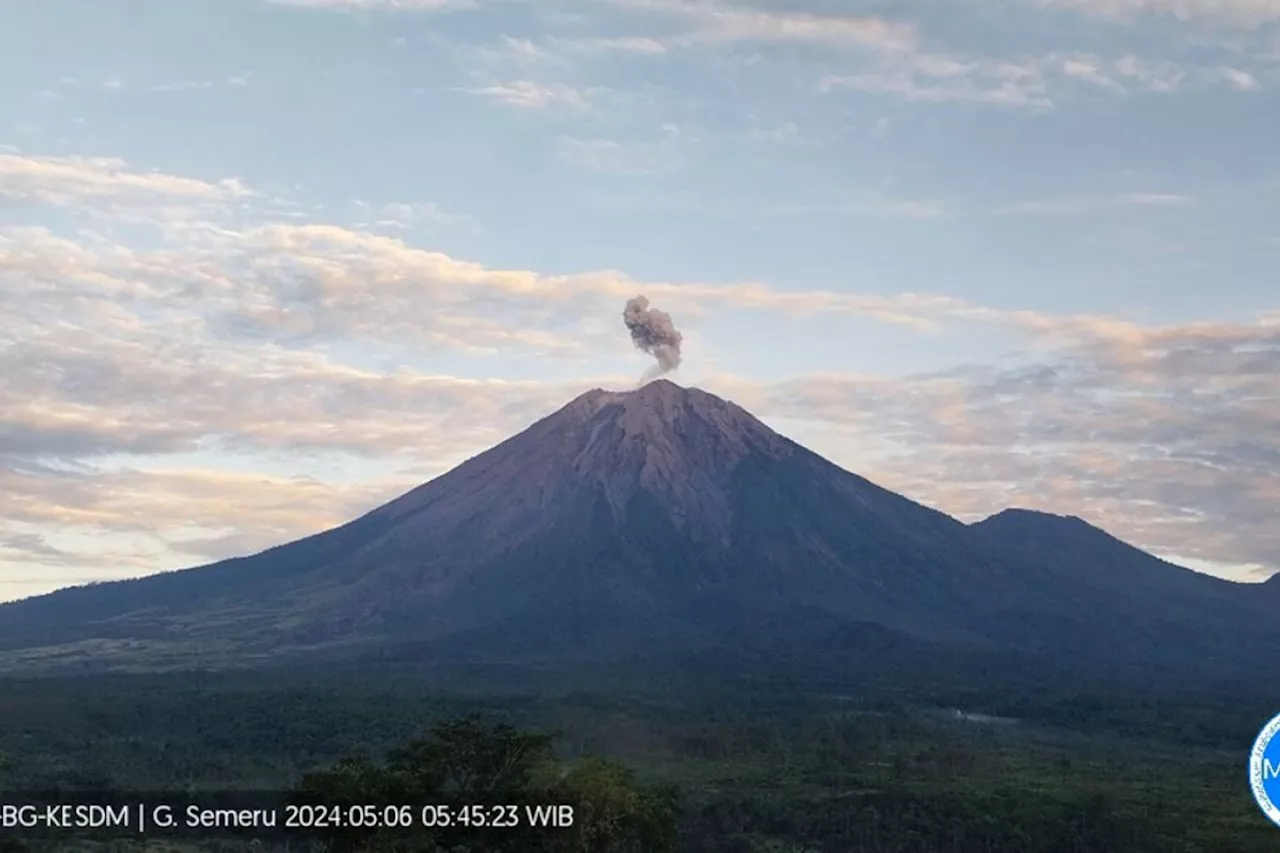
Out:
{"x": 694, "y": 766}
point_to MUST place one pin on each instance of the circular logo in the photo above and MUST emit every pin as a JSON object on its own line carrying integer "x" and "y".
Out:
{"x": 1264, "y": 770}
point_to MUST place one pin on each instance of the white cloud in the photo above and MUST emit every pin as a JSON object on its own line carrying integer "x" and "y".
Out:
{"x": 1240, "y": 80}
{"x": 1034, "y": 82}
{"x": 893, "y": 57}
{"x": 1166, "y": 436}
{"x": 278, "y": 279}
{"x": 1246, "y": 13}
{"x": 300, "y": 283}
{"x": 69, "y": 180}
{"x": 873, "y": 55}
{"x": 129, "y": 522}
{"x": 1005, "y": 85}
{"x": 218, "y": 344}
{"x": 917, "y": 209}
{"x": 182, "y": 86}
{"x": 620, "y": 44}
{"x": 1151, "y": 76}
{"x": 1162, "y": 435}
{"x": 709, "y": 22}
{"x": 527, "y": 94}
{"x": 526, "y": 49}
{"x": 402, "y": 216}
{"x": 1080, "y": 206}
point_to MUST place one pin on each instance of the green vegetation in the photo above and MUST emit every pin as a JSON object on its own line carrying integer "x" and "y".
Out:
{"x": 492, "y": 777}
{"x": 758, "y": 767}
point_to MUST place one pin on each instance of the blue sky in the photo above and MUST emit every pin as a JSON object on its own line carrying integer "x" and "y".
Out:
{"x": 264, "y": 265}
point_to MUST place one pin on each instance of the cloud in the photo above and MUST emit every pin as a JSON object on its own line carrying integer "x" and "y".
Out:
{"x": 938, "y": 79}
{"x": 378, "y": 5}
{"x": 119, "y": 337}
{"x": 625, "y": 158}
{"x": 529, "y": 95}
{"x": 890, "y": 208}
{"x": 31, "y": 548}
{"x": 872, "y": 206}
{"x": 177, "y": 87}
{"x": 712, "y": 22}
{"x": 293, "y": 284}
{"x": 620, "y": 44}
{"x": 130, "y": 500}
{"x": 1086, "y": 205}
{"x": 132, "y": 522}
{"x": 865, "y": 53}
{"x": 148, "y": 517}
{"x": 71, "y": 180}
{"x": 894, "y": 57}
{"x": 1033, "y": 81}
{"x": 1162, "y": 435}
{"x": 917, "y": 209}
{"x": 1239, "y": 80}
{"x": 406, "y": 216}
{"x": 182, "y": 86}
{"x": 1246, "y": 13}
{"x": 109, "y": 399}
{"x": 225, "y": 343}
{"x": 783, "y": 134}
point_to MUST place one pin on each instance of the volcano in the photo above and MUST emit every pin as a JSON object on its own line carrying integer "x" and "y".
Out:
{"x": 664, "y": 517}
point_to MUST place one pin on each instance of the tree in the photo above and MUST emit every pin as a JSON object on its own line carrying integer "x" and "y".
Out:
{"x": 504, "y": 772}
{"x": 468, "y": 761}
{"x": 615, "y": 814}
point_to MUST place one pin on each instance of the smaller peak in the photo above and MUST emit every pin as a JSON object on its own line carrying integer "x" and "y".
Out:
{"x": 1018, "y": 515}
{"x": 1016, "y": 521}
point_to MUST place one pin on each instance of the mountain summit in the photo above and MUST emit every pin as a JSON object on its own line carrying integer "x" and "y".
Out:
{"x": 659, "y": 517}
{"x": 676, "y": 446}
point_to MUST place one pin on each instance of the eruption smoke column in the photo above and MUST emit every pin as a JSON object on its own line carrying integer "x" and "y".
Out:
{"x": 653, "y": 332}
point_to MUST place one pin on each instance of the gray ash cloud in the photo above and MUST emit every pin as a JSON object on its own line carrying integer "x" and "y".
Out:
{"x": 653, "y": 332}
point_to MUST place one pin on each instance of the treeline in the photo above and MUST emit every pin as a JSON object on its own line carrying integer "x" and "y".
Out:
{"x": 489, "y": 781}
{"x": 908, "y": 821}
{"x": 757, "y": 771}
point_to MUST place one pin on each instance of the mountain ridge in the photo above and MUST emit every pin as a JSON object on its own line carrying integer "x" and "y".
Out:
{"x": 662, "y": 515}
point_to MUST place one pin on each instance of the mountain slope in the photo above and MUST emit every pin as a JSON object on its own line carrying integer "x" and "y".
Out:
{"x": 661, "y": 517}
{"x": 1072, "y": 549}
{"x": 1130, "y": 603}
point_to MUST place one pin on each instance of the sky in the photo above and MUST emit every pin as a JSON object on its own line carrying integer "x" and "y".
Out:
{"x": 267, "y": 264}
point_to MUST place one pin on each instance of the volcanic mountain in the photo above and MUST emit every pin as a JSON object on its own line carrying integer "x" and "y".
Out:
{"x": 663, "y": 517}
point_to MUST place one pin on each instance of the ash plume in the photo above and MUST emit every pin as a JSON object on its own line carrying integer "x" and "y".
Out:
{"x": 653, "y": 332}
